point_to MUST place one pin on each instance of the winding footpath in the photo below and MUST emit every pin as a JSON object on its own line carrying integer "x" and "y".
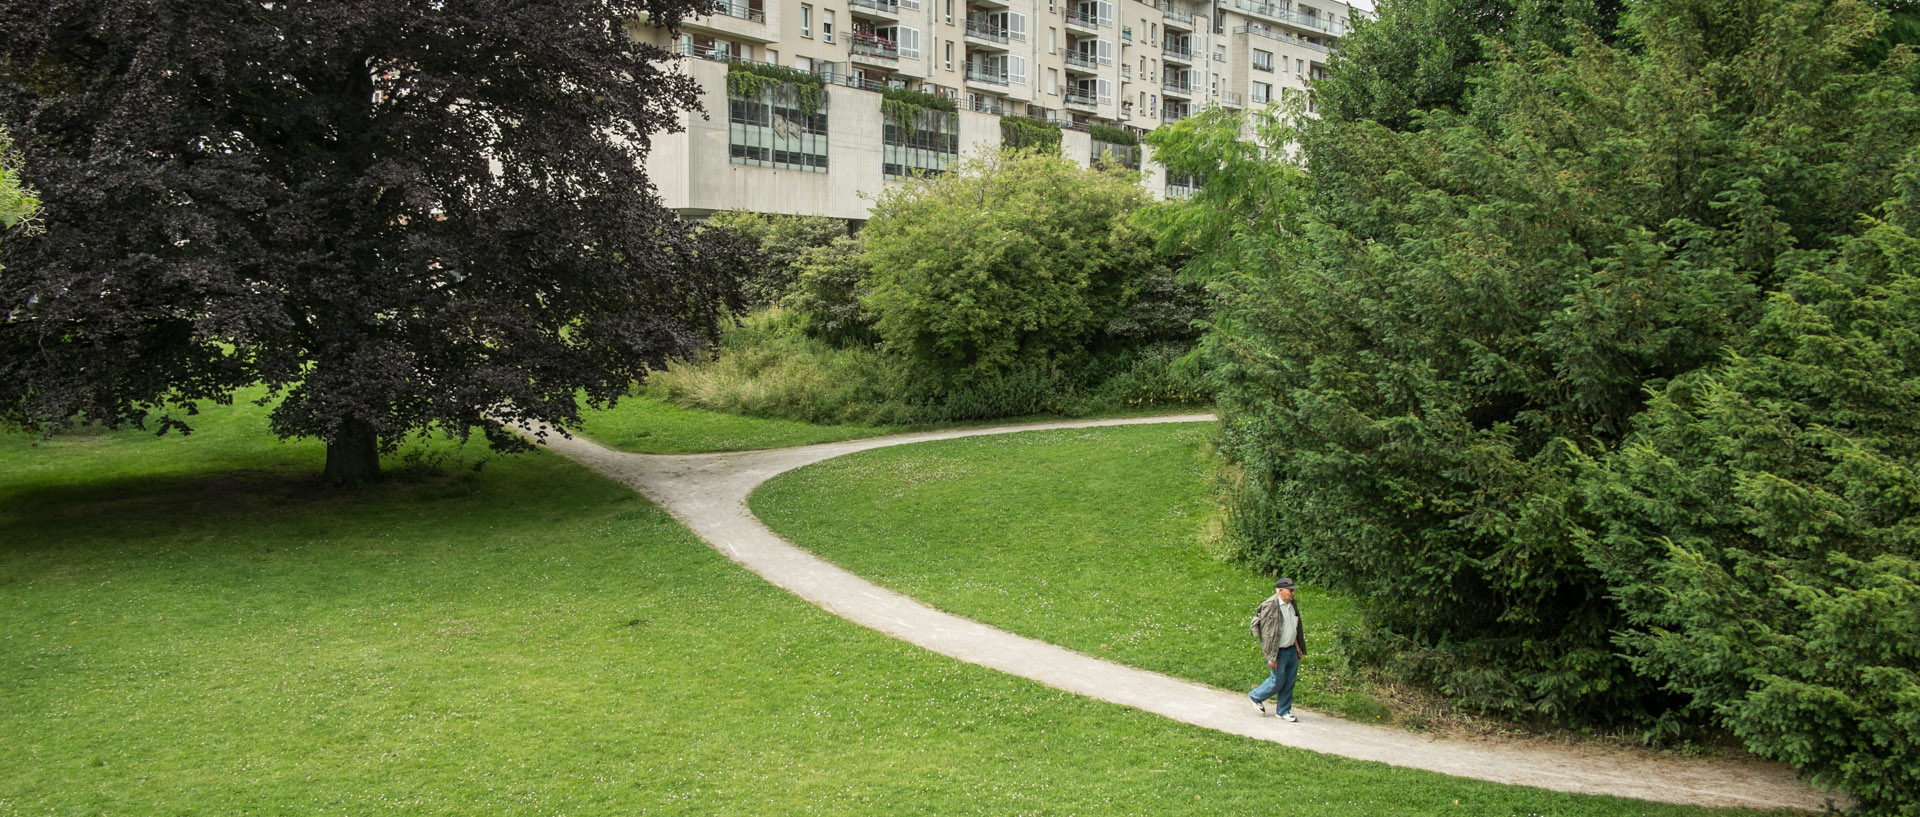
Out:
{"x": 708, "y": 493}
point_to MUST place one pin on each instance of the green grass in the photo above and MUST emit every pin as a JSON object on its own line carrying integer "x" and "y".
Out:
{"x": 1091, "y": 539}
{"x": 649, "y": 425}
{"x": 192, "y": 627}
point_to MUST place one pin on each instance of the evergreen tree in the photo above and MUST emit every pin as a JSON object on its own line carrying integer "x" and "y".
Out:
{"x": 1458, "y": 317}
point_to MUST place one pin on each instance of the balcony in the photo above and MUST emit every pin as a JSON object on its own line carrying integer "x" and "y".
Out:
{"x": 873, "y": 50}
{"x": 985, "y": 105}
{"x": 888, "y": 10}
{"x": 741, "y": 11}
{"x": 1126, "y": 73}
{"x": 1176, "y": 53}
{"x": 986, "y": 76}
{"x": 1082, "y": 63}
{"x": 1175, "y": 17}
{"x": 987, "y": 34}
{"x": 1287, "y": 37}
{"x": 736, "y": 21}
{"x": 1080, "y": 101}
{"x": 1171, "y": 116}
{"x": 1126, "y": 34}
{"x": 1176, "y": 87}
{"x": 1233, "y": 99}
{"x": 1291, "y": 17}
{"x": 1083, "y": 21}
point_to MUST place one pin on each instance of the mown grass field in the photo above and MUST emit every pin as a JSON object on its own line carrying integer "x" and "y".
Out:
{"x": 193, "y": 627}
{"x": 1093, "y": 539}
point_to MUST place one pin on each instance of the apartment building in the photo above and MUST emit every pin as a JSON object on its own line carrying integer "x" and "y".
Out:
{"x": 1094, "y": 68}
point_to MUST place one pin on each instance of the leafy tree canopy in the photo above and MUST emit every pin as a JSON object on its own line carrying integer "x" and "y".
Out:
{"x": 17, "y": 201}
{"x": 1012, "y": 258}
{"x": 399, "y": 216}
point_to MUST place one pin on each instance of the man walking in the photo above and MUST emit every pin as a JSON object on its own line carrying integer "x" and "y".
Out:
{"x": 1283, "y": 640}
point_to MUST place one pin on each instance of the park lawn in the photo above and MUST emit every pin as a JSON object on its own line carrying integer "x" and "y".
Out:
{"x": 648, "y": 425}
{"x": 193, "y": 627}
{"x": 1089, "y": 538}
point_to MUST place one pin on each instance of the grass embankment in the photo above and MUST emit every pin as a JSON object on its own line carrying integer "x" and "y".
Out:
{"x": 190, "y": 627}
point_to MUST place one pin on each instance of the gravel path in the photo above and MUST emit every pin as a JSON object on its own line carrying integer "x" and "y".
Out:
{"x": 708, "y": 493}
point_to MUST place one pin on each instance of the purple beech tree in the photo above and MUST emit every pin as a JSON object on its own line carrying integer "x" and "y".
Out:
{"x": 399, "y": 216}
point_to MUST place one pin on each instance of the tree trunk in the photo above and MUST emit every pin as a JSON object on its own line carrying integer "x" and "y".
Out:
{"x": 353, "y": 456}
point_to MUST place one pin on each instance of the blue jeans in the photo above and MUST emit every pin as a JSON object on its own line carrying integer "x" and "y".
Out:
{"x": 1279, "y": 685}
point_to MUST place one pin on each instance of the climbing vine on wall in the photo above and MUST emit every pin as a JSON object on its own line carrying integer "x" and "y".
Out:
{"x": 748, "y": 80}
{"x": 1021, "y": 133}
{"x": 1109, "y": 133}
{"x": 904, "y": 106}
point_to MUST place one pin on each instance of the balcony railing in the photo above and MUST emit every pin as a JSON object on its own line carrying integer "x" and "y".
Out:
{"x": 1081, "y": 60}
{"x": 742, "y": 11}
{"x": 1172, "y": 116}
{"x": 1180, "y": 17}
{"x": 986, "y": 31}
{"x": 1233, "y": 99}
{"x": 868, "y": 45}
{"x": 991, "y": 106}
{"x": 1086, "y": 100}
{"x": 1291, "y": 17}
{"x": 1174, "y": 86}
{"x": 1177, "y": 52}
{"x": 889, "y": 7}
{"x": 1126, "y": 34}
{"x": 1076, "y": 17}
{"x": 986, "y": 75}
{"x": 1285, "y": 37}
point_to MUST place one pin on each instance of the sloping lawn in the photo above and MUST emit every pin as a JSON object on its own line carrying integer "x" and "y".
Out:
{"x": 191, "y": 627}
{"x": 1087, "y": 538}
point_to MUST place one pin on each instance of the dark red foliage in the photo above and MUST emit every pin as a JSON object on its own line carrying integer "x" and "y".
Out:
{"x": 399, "y": 214}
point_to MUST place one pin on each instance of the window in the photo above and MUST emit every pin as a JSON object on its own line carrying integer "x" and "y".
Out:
{"x": 803, "y": 63}
{"x": 1262, "y": 60}
{"x": 826, "y": 25}
{"x": 1053, "y": 81}
{"x": 773, "y": 56}
{"x": 906, "y": 40}
{"x": 1299, "y": 66}
{"x": 949, "y": 12}
{"x": 1262, "y": 92}
{"x": 1052, "y": 33}
{"x": 806, "y": 20}
{"x": 928, "y": 144}
{"x": 949, "y": 55}
{"x": 773, "y": 128}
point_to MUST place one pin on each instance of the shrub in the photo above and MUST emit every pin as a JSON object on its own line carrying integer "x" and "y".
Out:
{"x": 826, "y": 297}
{"x": 1762, "y": 525}
{"x": 1011, "y": 262}
{"x": 781, "y": 241}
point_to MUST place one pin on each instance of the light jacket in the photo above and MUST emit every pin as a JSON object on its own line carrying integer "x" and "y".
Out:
{"x": 1266, "y": 626}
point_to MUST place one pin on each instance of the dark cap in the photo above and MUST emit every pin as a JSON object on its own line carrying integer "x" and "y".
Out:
{"x": 1283, "y": 584}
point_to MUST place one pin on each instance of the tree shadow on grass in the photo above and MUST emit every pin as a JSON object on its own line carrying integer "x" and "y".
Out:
{"x": 109, "y": 512}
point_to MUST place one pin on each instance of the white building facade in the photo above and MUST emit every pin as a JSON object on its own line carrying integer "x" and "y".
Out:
{"x": 1091, "y": 67}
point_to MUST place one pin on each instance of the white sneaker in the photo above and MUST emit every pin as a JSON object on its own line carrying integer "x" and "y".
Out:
{"x": 1260, "y": 705}
{"x": 1286, "y": 716}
